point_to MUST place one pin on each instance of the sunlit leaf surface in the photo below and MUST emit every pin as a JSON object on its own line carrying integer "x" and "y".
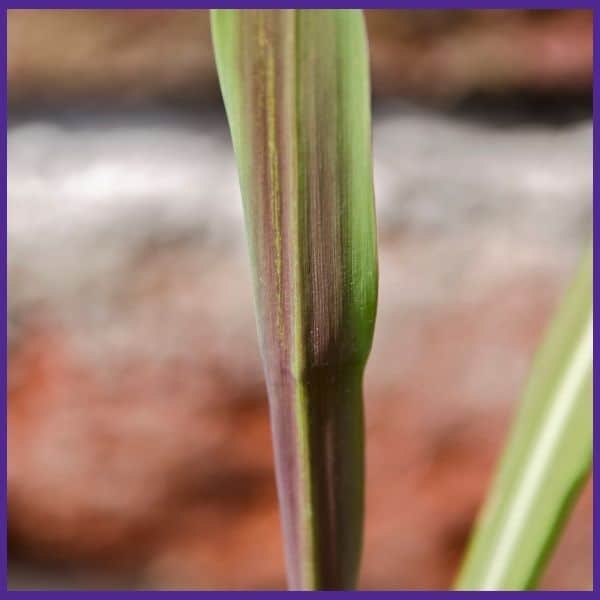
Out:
{"x": 547, "y": 458}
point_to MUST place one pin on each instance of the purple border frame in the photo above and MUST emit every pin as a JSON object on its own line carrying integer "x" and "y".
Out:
{"x": 181, "y": 4}
{"x": 409, "y": 4}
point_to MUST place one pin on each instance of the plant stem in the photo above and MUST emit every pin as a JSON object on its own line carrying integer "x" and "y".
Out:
{"x": 296, "y": 91}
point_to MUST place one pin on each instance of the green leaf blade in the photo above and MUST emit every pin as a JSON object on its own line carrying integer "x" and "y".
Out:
{"x": 547, "y": 458}
{"x": 296, "y": 90}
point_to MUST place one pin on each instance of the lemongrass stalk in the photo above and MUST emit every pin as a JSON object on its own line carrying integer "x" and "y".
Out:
{"x": 296, "y": 90}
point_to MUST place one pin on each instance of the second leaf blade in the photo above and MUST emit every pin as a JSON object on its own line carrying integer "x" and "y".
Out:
{"x": 547, "y": 458}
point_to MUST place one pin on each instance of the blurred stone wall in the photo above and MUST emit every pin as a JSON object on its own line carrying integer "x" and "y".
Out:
{"x": 75, "y": 57}
{"x": 139, "y": 451}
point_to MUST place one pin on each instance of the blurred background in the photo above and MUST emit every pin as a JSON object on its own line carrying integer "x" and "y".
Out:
{"x": 139, "y": 453}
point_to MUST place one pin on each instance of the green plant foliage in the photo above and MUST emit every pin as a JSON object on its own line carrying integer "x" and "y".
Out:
{"x": 547, "y": 459}
{"x": 296, "y": 90}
